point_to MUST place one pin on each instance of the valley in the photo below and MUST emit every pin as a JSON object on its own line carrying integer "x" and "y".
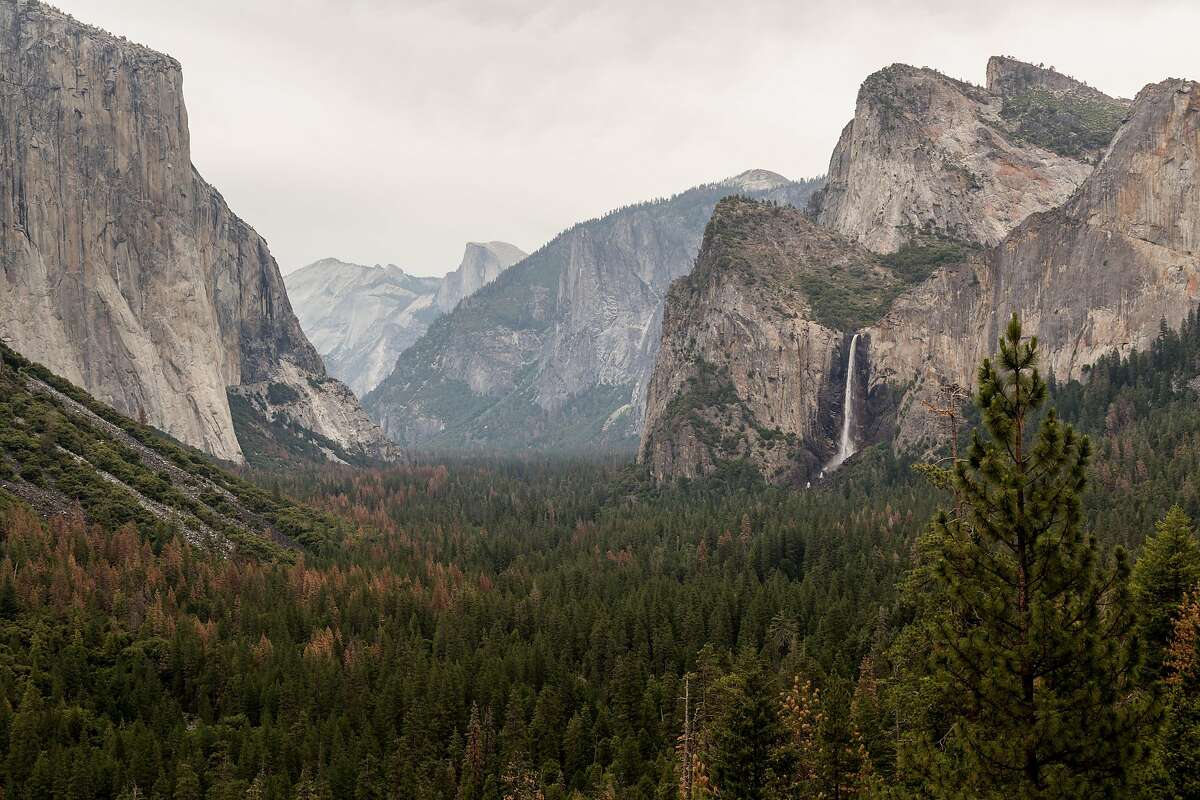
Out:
{"x": 881, "y": 484}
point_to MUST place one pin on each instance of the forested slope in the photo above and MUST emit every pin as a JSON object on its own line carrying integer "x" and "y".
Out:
{"x": 63, "y": 451}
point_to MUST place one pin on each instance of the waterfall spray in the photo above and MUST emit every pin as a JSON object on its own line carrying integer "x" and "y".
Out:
{"x": 846, "y": 446}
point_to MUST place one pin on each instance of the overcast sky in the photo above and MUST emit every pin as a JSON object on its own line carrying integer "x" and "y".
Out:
{"x": 379, "y": 131}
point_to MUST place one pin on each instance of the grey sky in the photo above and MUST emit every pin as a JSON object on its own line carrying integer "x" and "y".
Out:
{"x": 396, "y": 131}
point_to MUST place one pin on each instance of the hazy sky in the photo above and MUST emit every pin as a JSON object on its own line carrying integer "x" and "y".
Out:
{"x": 379, "y": 131}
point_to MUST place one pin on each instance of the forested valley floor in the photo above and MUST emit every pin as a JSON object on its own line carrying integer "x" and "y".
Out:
{"x": 554, "y": 629}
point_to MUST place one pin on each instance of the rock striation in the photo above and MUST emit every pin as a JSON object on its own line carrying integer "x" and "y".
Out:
{"x": 557, "y": 351}
{"x": 120, "y": 267}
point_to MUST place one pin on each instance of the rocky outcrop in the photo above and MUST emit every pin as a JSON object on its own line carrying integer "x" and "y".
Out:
{"x": 123, "y": 270}
{"x": 481, "y": 264}
{"x": 1008, "y": 77}
{"x": 557, "y": 352}
{"x": 751, "y": 348}
{"x": 1096, "y": 274}
{"x": 929, "y": 155}
{"x": 1048, "y": 109}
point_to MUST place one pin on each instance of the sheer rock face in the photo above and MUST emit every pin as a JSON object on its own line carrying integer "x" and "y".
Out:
{"x": 481, "y": 264}
{"x": 557, "y": 351}
{"x": 1098, "y": 274}
{"x": 123, "y": 270}
{"x": 1095, "y": 274}
{"x": 926, "y": 154}
{"x": 744, "y": 366}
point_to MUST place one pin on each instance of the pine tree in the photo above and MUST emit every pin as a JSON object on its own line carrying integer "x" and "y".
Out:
{"x": 1179, "y": 753}
{"x": 1168, "y": 567}
{"x": 745, "y": 736}
{"x": 1035, "y": 656}
{"x": 25, "y": 735}
{"x": 187, "y": 784}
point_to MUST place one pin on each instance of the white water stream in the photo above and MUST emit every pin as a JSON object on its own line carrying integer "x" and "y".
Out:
{"x": 846, "y": 446}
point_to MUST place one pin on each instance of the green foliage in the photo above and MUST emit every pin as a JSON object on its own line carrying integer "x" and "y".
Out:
{"x": 1033, "y": 652}
{"x": 1167, "y": 569}
{"x": 1142, "y": 414}
{"x": 709, "y": 390}
{"x": 917, "y": 260}
{"x": 746, "y": 737}
{"x": 280, "y": 442}
{"x": 847, "y": 300}
{"x": 527, "y": 627}
{"x": 279, "y": 394}
{"x": 1072, "y": 125}
{"x": 59, "y": 448}
{"x": 561, "y": 597}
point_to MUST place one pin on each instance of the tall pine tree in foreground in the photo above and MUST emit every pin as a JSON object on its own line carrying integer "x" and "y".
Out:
{"x": 1033, "y": 654}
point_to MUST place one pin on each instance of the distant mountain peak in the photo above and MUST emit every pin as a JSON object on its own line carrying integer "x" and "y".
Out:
{"x": 332, "y": 264}
{"x": 757, "y": 180}
{"x": 482, "y": 263}
{"x": 360, "y": 318}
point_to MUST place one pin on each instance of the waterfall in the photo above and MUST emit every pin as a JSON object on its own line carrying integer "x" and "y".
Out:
{"x": 846, "y": 445}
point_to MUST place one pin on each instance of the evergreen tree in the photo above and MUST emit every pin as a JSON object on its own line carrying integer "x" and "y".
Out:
{"x": 187, "y": 784}
{"x": 1179, "y": 746}
{"x": 1036, "y": 654}
{"x": 1168, "y": 567}
{"x": 745, "y": 738}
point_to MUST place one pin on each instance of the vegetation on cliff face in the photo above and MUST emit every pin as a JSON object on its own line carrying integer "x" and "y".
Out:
{"x": 708, "y": 406}
{"x": 764, "y": 244}
{"x": 1074, "y": 125}
{"x": 277, "y": 441}
{"x": 918, "y": 259}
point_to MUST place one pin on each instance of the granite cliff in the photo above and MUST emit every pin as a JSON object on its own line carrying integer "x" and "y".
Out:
{"x": 929, "y": 155}
{"x": 557, "y": 351}
{"x": 482, "y": 263}
{"x": 1098, "y": 272}
{"x": 752, "y": 343}
{"x": 122, "y": 269}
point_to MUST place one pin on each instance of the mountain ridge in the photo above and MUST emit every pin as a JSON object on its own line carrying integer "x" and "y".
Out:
{"x": 555, "y": 353}
{"x": 927, "y": 154}
{"x": 360, "y": 318}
